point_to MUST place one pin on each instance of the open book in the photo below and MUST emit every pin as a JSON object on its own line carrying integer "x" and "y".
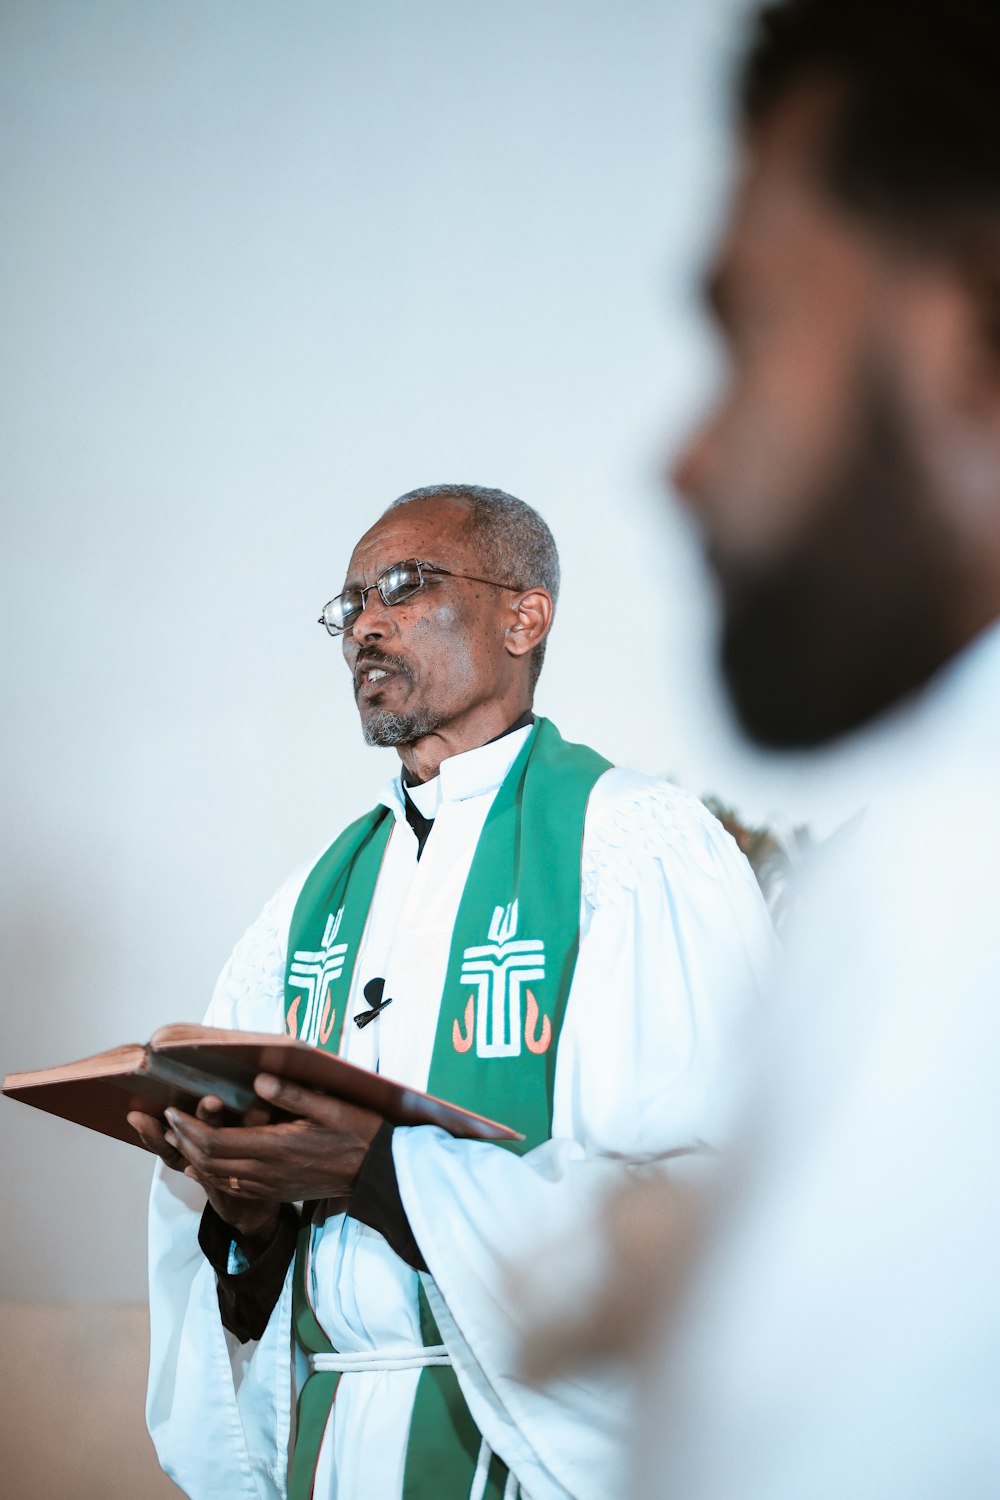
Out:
{"x": 183, "y": 1063}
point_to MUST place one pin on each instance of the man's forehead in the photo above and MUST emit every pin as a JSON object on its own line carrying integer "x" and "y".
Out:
{"x": 763, "y": 225}
{"x": 779, "y": 202}
{"x": 420, "y": 529}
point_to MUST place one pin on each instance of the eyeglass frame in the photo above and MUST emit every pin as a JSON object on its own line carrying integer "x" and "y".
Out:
{"x": 422, "y": 567}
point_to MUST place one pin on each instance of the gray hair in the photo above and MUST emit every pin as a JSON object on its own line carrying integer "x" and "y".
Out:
{"x": 517, "y": 543}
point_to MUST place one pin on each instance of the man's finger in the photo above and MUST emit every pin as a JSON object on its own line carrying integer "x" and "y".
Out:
{"x": 209, "y": 1109}
{"x": 145, "y": 1126}
{"x": 296, "y": 1100}
{"x": 207, "y": 1145}
{"x": 202, "y": 1132}
{"x": 248, "y": 1185}
{"x": 152, "y": 1135}
{"x": 257, "y": 1114}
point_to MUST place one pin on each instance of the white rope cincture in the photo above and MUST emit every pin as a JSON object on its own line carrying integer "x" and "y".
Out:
{"x": 415, "y": 1357}
{"x": 482, "y": 1473}
{"x": 480, "y": 1478}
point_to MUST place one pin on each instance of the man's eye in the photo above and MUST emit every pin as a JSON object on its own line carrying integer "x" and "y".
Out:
{"x": 400, "y": 583}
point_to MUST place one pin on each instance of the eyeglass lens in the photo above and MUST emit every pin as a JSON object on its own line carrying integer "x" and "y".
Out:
{"x": 394, "y": 585}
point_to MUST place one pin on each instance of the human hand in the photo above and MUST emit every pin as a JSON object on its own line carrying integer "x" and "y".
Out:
{"x": 318, "y": 1155}
{"x": 603, "y": 1295}
{"x": 254, "y": 1220}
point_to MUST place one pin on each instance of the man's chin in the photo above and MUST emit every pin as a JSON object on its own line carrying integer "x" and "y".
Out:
{"x": 801, "y": 679}
{"x": 386, "y": 728}
{"x": 775, "y": 714}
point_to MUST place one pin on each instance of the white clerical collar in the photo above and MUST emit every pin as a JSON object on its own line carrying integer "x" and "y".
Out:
{"x": 470, "y": 774}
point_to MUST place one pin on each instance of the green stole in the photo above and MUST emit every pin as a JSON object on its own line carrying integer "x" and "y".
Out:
{"x": 513, "y": 952}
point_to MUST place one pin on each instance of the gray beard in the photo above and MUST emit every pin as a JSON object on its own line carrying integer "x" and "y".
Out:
{"x": 385, "y": 729}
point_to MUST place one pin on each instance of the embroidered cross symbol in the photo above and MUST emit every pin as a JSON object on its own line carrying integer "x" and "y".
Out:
{"x": 314, "y": 971}
{"x": 500, "y": 969}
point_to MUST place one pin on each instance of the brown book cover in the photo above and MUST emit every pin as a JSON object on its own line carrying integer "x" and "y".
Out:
{"x": 180, "y": 1064}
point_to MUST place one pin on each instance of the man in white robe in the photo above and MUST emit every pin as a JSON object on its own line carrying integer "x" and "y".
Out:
{"x": 673, "y": 941}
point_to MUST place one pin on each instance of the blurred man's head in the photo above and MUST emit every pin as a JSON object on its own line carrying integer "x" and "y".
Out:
{"x": 848, "y": 479}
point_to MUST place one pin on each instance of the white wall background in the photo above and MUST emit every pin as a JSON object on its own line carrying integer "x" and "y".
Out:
{"x": 264, "y": 266}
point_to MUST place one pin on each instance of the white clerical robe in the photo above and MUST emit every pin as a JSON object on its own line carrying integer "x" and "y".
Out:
{"x": 844, "y": 1340}
{"x": 674, "y": 941}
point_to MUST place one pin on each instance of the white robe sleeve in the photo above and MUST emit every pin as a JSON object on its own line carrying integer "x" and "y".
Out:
{"x": 219, "y": 1412}
{"x": 675, "y": 941}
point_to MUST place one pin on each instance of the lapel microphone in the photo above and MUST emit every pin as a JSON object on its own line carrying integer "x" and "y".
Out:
{"x": 373, "y": 991}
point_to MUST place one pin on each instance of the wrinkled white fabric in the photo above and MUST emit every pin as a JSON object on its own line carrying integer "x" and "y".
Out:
{"x": 844, "y": 1339}
{"x": 674, "y": 944}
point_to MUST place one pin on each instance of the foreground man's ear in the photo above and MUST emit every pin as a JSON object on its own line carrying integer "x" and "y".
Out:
{"x": 977, "y": 459}
{"x": 532, "y": 619}
{"x": 947, "y": 342}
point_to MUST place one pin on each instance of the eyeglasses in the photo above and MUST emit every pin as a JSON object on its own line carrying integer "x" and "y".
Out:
{"x": 395, "y": 585}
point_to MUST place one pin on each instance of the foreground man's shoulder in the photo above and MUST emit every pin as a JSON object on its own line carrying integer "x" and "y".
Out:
{"x": 639, "y": 825}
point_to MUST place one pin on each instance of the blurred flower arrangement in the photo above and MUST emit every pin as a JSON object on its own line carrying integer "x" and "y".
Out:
{"x": 775, "y": 860}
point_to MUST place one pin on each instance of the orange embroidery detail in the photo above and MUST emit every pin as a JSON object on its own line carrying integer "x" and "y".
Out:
{"x": 540, "y": 1042}
{"x": 292, "y": 1018}
{"x": 458, "y": 1041}
{"x": 329, "y": 1016}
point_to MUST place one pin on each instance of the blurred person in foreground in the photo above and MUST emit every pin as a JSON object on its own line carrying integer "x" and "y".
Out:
{"x": 841, "y": 1334}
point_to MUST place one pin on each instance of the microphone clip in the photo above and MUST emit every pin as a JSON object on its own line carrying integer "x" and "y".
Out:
{"x": 373, "y": 992}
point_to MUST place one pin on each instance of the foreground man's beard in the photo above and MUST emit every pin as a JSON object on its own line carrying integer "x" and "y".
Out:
{"x": 385, "y": 729}
{"x": 860, "y": 611}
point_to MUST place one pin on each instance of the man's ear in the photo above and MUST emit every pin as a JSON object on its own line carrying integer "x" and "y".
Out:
{"x": 532, "y": 620}
{"x": 950, "y": 359}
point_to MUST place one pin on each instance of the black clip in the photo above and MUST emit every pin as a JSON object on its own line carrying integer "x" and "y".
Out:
{"x": 373, "y": 994}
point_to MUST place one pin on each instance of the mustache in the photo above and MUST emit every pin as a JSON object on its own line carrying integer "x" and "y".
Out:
{"x": 375, "y": 658}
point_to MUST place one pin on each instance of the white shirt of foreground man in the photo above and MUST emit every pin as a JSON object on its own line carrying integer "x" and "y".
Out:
{"x": 845, "y": 1338}
{"x": 673, "y": 940}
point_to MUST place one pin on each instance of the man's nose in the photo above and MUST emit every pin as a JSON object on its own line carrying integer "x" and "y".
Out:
{"x": 691, "y": 473}
{"x": 374, "y": 622}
